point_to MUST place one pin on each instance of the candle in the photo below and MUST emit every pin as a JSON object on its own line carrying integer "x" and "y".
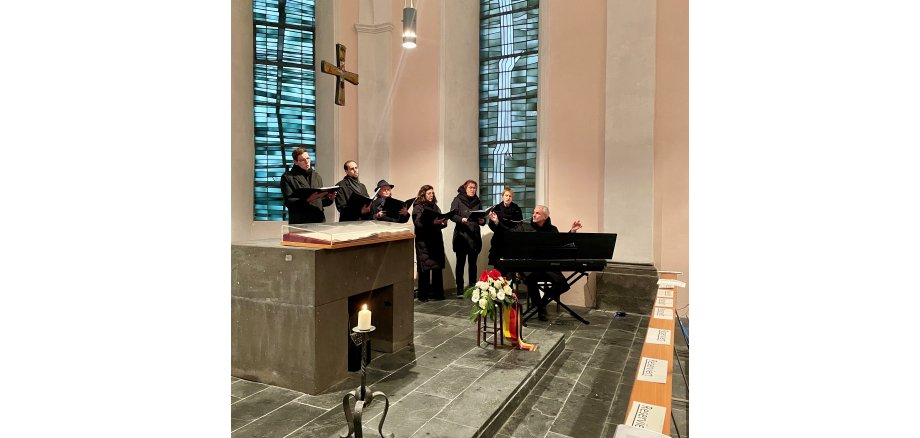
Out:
{"x": 364, "y": 318}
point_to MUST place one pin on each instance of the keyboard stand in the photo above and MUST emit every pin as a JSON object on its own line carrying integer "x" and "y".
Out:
{"x": 547, "y": 297}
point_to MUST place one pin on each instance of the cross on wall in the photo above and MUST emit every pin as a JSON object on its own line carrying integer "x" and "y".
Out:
{"x": 341, "y": 75}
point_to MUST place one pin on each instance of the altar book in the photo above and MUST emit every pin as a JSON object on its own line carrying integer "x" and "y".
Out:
{"x": 306, "y": 192}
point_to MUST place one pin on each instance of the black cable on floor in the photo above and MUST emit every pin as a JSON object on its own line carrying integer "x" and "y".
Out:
{"x": 674, "y": 420}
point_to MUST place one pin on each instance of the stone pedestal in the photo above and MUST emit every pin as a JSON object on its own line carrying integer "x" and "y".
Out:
{"x": 627, "y": 287}
{"x": 290, "y": 308}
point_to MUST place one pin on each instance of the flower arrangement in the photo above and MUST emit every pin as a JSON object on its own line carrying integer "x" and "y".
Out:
{"x": 490, "y": 290}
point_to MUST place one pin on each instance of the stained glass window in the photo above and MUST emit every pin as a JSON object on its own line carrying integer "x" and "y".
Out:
{"x": 284, "y": 95}
{"x": 508, "y": 58}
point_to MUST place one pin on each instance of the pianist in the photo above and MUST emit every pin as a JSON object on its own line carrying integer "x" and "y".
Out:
{"x": 541, "y": 223}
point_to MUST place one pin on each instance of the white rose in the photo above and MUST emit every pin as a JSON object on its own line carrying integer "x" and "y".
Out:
{"x": 507, "y": 290}
{"x": 492, "y": 293}
{"x": 483, "y": 285}
{"x": 482, "y": 303}
{"x": 501, "y": 295}
{"x": 476, "y": 296}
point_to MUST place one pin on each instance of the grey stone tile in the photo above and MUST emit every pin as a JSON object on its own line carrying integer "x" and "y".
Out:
{"x": 437, "y": 335}
{"x": 610, "y": 357}
{"x": 234, "y": 399}
{"x": 443, "y": 355}
{"x": 580, "y": 344}
{"x": 573, "y": 364}
{"x": 233, "y": 379}
{"x": 552, "y": 434}
{"x": 409, "y": 414}
{"x": 532, "y": 418}
{"x": 451, "y": 381}
{"x": 680, "y": 416}
{"x": 482, "y": 357}
{"x": 581, "y": 417}
{"x": 329, "y": 424}
{"x": 279, "y": 422}
{"x": 404, "y": 381}
{"x": 237, "y": 423}
{"x": 332, "y": 397}
{"x": 261, "y": 403}
{"x": 437, "y": 427}
{"x": 589, "y": 331}
{"x": 620, "y": 338}
{"x": 620, "y": 405}
{"x": 629, "y": 323}
{"x": 244, "y": 388}
{"x": 554, "y": 386}
{"x": 597, "y": 384}
{"x": 398, "y": 359}
{"x": 496, "y": 384}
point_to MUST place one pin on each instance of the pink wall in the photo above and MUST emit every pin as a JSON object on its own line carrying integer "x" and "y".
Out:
{"x": 414, "y": 155}
{"x": 573, "y": 90}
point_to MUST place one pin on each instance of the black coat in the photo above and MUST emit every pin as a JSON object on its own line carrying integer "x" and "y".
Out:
{"x": 429, "y": 244}
{"x": 508, "y": 218}
{"x": 299, "y": 210}
{"x": 350, "y": 186}
{"x": 467, "y": 238}
{"x": 377, "y": 206}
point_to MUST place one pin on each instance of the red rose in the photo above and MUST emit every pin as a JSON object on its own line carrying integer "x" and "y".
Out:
{"x": 495, "y": 275}
{"x": 484, "y": 276}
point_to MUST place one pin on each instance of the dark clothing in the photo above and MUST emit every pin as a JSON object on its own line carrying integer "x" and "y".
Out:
{"x": 299, "y": 210}
{"x": 509, "y": 217}
{"x": 377, "y": 206}
{"x": 467, "y": 237}
{"x": 429, "y": 244}
{"x": 431, "y": 284}
{"x": 558, "y": 285}
{"x": 349, "y": 186}
{"x": 467, "y": 241}
{"x": 429, "y": 252}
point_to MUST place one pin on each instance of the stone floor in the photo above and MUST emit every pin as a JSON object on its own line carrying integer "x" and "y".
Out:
{"x": 583, "y": 394}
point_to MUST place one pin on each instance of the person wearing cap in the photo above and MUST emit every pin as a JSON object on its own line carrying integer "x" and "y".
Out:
{"x": 384, "y": 190}
{"x": 348, "y": 187}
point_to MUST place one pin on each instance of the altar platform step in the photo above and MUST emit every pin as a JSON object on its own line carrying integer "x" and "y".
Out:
{"x": 443, "y": 385}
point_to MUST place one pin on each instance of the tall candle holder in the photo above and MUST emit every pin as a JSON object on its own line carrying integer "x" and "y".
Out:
{"x": 364, "y": 394}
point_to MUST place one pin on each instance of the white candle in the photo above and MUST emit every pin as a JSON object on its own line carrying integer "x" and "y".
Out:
{"x": 364, "y": 318}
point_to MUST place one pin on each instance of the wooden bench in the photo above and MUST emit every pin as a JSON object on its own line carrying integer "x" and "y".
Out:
{"x": 653, "y": 399}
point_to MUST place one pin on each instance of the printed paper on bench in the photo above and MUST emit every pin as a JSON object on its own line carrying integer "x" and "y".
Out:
{"x": 627, "y": 431}
{"x": 665, "y": 302}
{"x": 665, "y": 293}
{"x": 653, "y": 370}
{"x": 663, "y": 313}
{"x": 646, "y": 416}
{"x": 658, "y": 336}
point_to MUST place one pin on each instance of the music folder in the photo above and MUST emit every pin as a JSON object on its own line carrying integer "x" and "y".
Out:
{"x": 475, "y": 215}
{"x": 429, "y": 216}
{"x": 391, "y": 206}
{"x": 357, "y": 201}
{"x": 306, "y": 192}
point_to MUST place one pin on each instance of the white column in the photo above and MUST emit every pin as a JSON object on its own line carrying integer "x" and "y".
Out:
{"x": 375, "y": 118}
{"x": 629, "y": 129}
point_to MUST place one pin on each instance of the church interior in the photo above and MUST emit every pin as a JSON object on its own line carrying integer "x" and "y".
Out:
{"x": 581, "y": 106}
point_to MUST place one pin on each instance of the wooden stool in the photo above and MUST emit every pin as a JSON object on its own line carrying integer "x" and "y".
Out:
{"x": 497, "y": 329}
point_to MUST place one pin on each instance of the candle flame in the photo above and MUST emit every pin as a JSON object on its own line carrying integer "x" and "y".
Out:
{"x": 364, "y": 307}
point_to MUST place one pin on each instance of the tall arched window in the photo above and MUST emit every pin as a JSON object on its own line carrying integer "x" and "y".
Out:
{"x": 284, "y": 95}
{"x": 508, "y": 55}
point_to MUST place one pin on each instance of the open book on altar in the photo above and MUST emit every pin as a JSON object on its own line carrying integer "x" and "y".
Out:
{"x": 344, "y": 234}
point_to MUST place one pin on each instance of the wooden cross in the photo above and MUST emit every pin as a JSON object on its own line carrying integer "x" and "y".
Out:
{"x": 340, "y": 74}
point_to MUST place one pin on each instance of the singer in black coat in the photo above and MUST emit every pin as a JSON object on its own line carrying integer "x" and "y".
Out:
{"x": 467, "y": 240}
{"x": 510, "y": 216}
{"x": 429, "y": 246}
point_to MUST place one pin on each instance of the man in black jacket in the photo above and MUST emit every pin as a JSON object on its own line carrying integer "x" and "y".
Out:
{"x": 348, "y": 187}
{"x": 541, "y": 223}
{"x": 301, "y": 175}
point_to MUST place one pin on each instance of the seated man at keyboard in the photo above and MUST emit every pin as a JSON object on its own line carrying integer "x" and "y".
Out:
{"x": 541, "y": 223}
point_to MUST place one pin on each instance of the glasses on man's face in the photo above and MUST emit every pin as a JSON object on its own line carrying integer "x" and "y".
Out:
{"x": 302, "y": 160}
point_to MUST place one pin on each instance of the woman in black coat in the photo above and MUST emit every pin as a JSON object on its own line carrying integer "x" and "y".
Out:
{"x": 467, "y": 241}
{"x": 384, "y": 190}
{"x": 503, "y": 218}
{"x": 429, "y": 245}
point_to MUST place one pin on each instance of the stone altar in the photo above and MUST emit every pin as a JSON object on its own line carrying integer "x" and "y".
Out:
{"x": 290, "y": 308}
